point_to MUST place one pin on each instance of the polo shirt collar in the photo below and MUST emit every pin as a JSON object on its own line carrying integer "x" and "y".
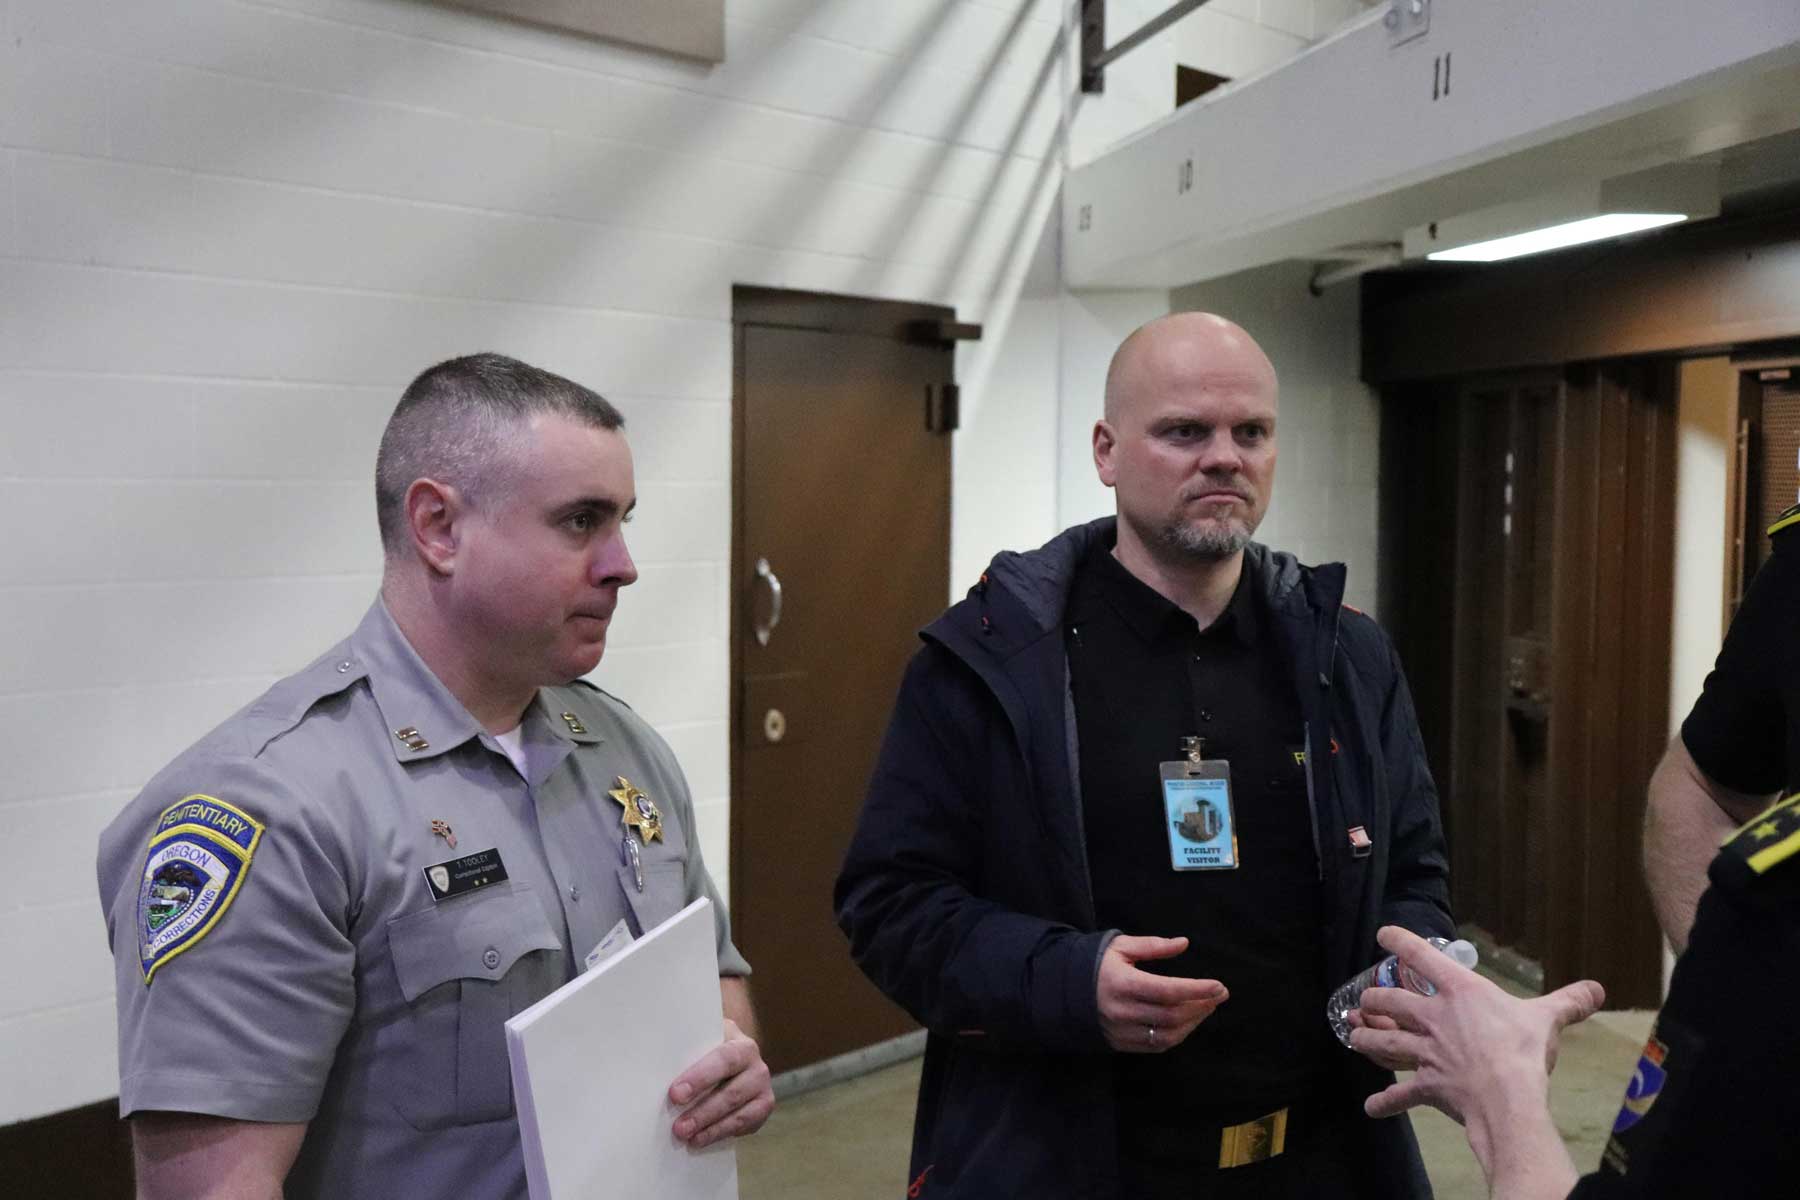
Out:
{"x": 1149, "y": 614}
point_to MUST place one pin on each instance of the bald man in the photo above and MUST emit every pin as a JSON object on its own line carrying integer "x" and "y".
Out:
{"x": 1146, "y": 796}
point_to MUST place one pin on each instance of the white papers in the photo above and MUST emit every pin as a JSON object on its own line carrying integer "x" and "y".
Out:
{"x": 592, "y": 1063}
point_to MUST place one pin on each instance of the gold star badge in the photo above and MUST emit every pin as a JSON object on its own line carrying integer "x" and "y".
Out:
{"x": 1765, "y": 831}
{"x": 640, "y": 811}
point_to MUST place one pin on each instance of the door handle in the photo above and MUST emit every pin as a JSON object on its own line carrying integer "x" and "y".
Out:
{"x": 767, "y": 574}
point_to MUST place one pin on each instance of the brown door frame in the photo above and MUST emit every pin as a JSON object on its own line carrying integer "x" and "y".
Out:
{"x": 1741, "y": 489}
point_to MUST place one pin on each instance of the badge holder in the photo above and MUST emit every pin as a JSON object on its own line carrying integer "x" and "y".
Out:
{"x": 1197, "y": 811}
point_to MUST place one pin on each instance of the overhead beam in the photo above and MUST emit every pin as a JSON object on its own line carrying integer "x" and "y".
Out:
{"x": 1358, "y": 138}
{"x": 1096, "y": 55}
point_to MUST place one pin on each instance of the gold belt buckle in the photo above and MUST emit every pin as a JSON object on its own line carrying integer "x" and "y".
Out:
{"x": 1253, "y": 1141}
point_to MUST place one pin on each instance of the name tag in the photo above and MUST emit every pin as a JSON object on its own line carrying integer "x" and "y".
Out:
{"x": 1198, "y": 815}
{"x": 459, "y": 876}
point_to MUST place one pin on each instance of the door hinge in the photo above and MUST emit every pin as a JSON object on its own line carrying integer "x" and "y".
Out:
{"x": 942, "y": 407}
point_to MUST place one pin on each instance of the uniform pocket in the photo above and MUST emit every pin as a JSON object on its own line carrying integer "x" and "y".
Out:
{"x": 664, "y": 894}
{"x": 464, "y": 966}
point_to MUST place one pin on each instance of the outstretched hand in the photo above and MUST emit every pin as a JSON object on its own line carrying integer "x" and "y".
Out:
{"x": 1471, "y": 1044}
{"x": 1142, "y": 1013}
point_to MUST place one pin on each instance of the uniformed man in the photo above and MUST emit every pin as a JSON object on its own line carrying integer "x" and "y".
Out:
{"x": 1707, "y": 1106}
{"x": 323, "y": 912}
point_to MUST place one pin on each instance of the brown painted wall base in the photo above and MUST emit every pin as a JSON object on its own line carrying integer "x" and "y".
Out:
{"x": 81, "y": 1154}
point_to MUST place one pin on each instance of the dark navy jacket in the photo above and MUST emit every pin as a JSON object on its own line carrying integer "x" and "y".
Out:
{"x": 966, "y": 896}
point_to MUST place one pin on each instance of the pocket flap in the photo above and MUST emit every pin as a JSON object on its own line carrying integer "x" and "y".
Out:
{"x": 664, "y": 894}
{"x": 469, "y": 937}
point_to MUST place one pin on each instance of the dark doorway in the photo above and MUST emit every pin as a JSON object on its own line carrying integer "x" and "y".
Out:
{"x": 841, "y": 552}
{"x": 1767, "y": 469}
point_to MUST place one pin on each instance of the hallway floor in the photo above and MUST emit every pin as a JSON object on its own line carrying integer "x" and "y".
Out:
{"x": 849, "y": 1141}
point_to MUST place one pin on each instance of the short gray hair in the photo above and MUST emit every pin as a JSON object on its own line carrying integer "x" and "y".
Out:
{"x": 459, "y": 423}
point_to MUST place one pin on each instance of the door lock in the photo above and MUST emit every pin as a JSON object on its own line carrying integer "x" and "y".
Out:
{"x": 774, "y": 725}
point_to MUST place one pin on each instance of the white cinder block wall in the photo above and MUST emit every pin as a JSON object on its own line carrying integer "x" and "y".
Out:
{"x": 231, "y": 230}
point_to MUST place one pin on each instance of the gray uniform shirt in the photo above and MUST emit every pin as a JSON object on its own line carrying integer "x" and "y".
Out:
{"x": 278, "y": 952}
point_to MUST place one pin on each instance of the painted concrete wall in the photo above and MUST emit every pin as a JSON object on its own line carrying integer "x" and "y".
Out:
{"x": 230, "y": 232}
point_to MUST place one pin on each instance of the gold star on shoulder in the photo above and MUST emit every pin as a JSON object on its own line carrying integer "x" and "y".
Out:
{"x": 1765, "y": 831}
{"x": 640, "y": 811}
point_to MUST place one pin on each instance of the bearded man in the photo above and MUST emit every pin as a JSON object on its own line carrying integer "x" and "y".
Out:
{"x": 1146, "y": 796}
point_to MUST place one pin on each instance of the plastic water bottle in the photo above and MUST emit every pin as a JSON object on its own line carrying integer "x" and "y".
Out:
{"x": 1389, "y": 972}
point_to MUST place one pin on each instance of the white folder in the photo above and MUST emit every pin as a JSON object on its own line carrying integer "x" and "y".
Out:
{"x": 592, "y": 1063}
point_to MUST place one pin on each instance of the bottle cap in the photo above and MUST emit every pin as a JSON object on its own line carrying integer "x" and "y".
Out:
{"x": 1463, "y": 952}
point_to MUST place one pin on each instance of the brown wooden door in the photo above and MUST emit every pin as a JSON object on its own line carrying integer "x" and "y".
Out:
{"x": 1501, "y": 611}
{"x": 1552, "y": 651}
{"x": 844, "y": 494}
{"x": 1610, "y": 634}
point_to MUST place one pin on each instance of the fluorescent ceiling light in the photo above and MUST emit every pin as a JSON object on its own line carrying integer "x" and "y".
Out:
{"x": 1555, "y": 237}
{"x": 1576, "y": 211}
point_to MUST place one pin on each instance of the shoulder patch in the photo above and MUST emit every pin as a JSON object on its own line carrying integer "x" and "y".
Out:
{"x": 1787, "y": 520}
{"x": 1770, "y": 838}
{"x": 199, "y": 853}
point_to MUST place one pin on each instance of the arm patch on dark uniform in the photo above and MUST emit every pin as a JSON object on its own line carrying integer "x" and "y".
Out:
{"x": 1768, "y": 840}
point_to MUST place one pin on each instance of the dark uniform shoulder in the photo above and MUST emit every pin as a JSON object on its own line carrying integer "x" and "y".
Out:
{"x": 1762, "y": 858}
{"x": 1787, "y": 521}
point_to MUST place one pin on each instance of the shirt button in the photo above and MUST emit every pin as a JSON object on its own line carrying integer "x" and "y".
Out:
{"x": 344, "y": 667}
{"x": 574, "y": 892}
{"x": 1206, "y": 714}
{"x": 490, "y": 958}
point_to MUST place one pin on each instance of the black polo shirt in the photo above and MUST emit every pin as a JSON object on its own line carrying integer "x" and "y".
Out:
{"x": 1144, "y": 675}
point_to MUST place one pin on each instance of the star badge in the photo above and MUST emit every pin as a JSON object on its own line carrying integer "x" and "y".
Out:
{"x": 640, "y": 811}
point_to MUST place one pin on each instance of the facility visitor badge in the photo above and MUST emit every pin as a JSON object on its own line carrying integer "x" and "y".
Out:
{"x": 199, "y": 853}
{"x": 1197, "y": 812}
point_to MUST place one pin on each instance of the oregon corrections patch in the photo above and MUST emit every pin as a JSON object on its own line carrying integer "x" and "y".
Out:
{"x": 1645, "y": 1086}
{"x": 199, "y": 853}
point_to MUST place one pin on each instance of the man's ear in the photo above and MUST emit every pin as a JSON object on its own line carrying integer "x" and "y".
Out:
{"x": 1105, "y": 442}
{"x": 433, "y": 511}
